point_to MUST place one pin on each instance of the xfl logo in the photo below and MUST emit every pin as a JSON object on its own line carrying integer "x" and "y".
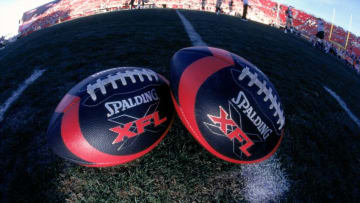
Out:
{"x": 139, "y": 124}
{"x": 231, "y": 130}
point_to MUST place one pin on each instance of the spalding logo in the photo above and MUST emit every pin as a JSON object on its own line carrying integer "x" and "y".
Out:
{"x": 130, "y": 126}
{"x": 262, "y": 89}
{"x": 244, "y": 139}
{"x": 115, "y": 107}
{"x": 244, "y": 105}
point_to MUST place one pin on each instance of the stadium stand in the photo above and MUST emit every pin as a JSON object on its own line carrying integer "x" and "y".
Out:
{"x": 263, "y": 11}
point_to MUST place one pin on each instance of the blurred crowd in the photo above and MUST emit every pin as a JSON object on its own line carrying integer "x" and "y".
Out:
{"x": 2, "y": 42}
{"x": 268, "y": 12}
{"x": 345, "y": 56}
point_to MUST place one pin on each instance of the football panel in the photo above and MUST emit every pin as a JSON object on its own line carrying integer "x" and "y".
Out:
{"x": 57, "y": 144}
{"x": 126, "y": 124}
{"x": 140, "y": 155}
{"x": 238, "y": 130}
{"x": 68, "y": 125}
{"x": 77, "y": 144}
{"x": 222, "y": 55}
{"x": 187, "y": 96}
{"x": 66, "y": 102}
{"x": 196, "y": 134}
{"x": 181, "y": 60}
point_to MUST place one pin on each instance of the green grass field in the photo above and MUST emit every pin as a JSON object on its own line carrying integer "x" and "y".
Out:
{"x": 320, "y": 152}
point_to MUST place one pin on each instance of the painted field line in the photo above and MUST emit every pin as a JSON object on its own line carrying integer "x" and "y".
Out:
{"x": 195, "y": 38}
{"x": 343, "y": 105}
{"x": 265, "y": 181}
{"x": 15, "y": 95}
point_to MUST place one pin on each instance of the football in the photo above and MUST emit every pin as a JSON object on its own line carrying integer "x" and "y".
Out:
{"x": 112, "y": 117}
{"x": 228, "y": 105}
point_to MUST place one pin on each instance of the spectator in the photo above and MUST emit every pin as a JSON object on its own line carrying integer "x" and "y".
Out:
{"x": 357, "y": 65}
{"x": 131, "y": 4}
{"x": 203, "y": 3}
{"x": 332, "y": 50}
{"x": 289, "y": 20}
{"x": 231, "y": 2}
{"x": 327, "y": 47}
{"x": 245, "y": 7}
{"x": 2, "y": 42}
{"x": 353, "y": 56}
{"x": 218, "y": 7}
{"x": 320, "y": 34}
{"x": 140, "y": 4}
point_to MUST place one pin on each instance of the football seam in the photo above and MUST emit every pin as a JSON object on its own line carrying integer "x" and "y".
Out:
{"x": 267, "y": 92}
{"x": 120, "y": 76}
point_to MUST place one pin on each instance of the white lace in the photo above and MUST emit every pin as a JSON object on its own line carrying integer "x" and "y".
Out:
{"x": 267, "y": 92}
{"x": 120, "y": 76}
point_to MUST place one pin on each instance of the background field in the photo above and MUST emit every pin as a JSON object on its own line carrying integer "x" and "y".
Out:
{"x": 320, "y": 152}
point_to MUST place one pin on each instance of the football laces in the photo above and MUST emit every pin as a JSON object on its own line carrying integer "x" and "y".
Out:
{"x": 121, "y": 77}
{"x": 268, "y": 94}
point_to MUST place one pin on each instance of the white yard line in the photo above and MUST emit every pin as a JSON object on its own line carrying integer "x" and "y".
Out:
{"x": 343, "y": 105}
{"x": 15, "y": 95}
{"x": 265, "y": 181}
{"x": 193, "y": 35}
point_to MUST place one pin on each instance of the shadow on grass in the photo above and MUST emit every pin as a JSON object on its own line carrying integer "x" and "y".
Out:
{"x": 27, "y": 166}
{"x": 179, "y": 169}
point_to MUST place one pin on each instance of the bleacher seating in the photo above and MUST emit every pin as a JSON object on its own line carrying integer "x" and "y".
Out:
{"x": 264, "y": 11}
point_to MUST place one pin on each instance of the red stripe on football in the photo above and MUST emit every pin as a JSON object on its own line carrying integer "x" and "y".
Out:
{"x": 227, "y": 104}
{"x": 114, "y": 117}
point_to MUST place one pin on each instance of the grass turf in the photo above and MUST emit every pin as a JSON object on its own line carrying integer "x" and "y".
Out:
{"x": 320, "y": 152}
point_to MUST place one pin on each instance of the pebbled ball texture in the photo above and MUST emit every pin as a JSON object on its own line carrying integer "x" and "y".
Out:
{"x": 228, "y": 105}
{"x": 112, "y": 117}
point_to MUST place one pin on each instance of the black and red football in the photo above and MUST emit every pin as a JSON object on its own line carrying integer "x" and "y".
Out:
{"x": 112, "y": 117}
{"x": 228, "y": 105}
